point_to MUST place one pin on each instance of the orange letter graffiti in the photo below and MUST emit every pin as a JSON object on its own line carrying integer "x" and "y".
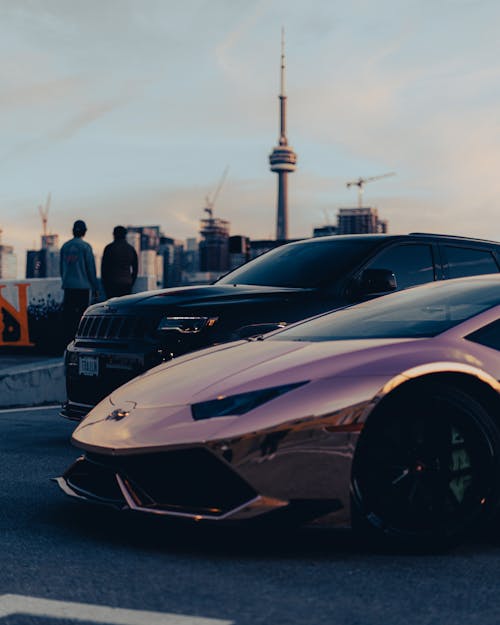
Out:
{"x": 21, "y": 316}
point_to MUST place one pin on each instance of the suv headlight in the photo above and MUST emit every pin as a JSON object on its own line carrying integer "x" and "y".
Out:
{"x": 239, "y": 404}
{"x": 186, "y": 325}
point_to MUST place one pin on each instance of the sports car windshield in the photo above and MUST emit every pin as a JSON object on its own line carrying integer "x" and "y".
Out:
{"x": 302, "y": 265}
{"x": 413, "y": 313}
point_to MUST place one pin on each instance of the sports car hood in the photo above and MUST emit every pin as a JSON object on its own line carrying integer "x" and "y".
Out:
{"x": 154, "y": 410}
{"x": 242, "y": 366}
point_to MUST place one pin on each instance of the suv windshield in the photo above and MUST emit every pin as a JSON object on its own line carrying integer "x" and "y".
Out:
{"x": 303, "y": 265}
{"x": 418, "y": 312}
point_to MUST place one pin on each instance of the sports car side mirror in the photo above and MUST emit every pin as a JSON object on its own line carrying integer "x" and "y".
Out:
{"x": 377, "y": 281}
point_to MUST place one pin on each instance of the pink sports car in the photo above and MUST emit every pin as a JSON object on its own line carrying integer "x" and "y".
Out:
{"x": 384, "y": 416}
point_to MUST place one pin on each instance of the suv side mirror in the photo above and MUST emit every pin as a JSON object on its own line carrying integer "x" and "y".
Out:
{"x": 377, "y": 281}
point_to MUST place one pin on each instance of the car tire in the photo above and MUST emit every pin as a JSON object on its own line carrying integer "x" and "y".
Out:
{"x": 426, "y": 471}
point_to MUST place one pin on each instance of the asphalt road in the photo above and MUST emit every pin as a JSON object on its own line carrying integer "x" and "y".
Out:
{"x": 54, "y": 548}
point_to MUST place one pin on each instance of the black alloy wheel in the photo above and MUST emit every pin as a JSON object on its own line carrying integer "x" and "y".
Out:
{"x": 426, "y": 469}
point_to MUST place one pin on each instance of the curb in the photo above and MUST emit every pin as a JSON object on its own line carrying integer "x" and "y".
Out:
{"x": 33, "y": 385}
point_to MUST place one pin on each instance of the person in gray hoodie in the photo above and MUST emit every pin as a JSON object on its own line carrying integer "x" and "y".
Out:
{"x": 79, "y": 279}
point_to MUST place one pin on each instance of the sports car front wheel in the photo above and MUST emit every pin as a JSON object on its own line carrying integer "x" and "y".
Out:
{"x": 426, "y": 470}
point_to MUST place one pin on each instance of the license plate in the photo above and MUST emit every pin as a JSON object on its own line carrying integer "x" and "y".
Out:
{"x": 88, "y": 365}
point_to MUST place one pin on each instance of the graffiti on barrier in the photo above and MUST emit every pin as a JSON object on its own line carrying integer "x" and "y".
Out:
{"x": 31, "y": 315}
{"x": 14, "y": 327}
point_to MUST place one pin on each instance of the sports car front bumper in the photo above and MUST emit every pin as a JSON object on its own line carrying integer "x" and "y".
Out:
{"x": 301, "y": 471}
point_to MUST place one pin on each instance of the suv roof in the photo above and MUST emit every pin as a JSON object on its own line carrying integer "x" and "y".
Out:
{"x": 453, "y": 236}
{"x": 387, "y": 237}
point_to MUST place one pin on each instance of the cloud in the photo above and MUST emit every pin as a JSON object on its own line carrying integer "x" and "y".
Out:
{"x": 226, "y": 46}
{"x": 81, "y": 119}
{"x": 41, "y": 92}
{"x": 62, "y": 132}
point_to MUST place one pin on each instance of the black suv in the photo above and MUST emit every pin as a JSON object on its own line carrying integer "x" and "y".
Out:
{"x": 122, "y": 337}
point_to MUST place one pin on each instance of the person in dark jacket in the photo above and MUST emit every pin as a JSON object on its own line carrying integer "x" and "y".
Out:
{"x": 79, "y": 280}
{"x": 119, "y": 265}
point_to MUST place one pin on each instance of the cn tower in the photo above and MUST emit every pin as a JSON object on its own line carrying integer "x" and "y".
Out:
{"x": 282, "y": 159}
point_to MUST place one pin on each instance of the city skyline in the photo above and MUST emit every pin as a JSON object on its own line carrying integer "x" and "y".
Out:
{"x": 129, "y": 113}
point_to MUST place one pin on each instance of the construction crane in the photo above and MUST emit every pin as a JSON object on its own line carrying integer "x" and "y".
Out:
{"x": 360, "y": 183}
{"x": 44, "y": 214}
{"x": 211, "y": 201}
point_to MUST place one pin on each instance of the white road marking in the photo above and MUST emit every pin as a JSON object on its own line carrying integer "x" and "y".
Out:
{"x": 28, "y": 408}
{"x": 33, "y": 606}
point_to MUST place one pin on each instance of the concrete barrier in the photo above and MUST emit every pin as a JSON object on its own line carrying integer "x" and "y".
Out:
{"x": 33, "y": 384}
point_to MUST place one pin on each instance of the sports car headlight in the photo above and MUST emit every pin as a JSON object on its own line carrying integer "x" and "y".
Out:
{"x": 239, "y": 404}
{"x": 186, "y": 325}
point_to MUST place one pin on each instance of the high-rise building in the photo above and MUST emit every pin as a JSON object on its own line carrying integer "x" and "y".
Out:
{"x": 147, "y": 263}
{"x": 360, "y": 221}
{"x": 36, "y": 264}
{"x": 324, "y": 231}
{"x": 50, "y": 244}
{"x": 146, "y": 242}
{"x": 160, "y": 257}
{"x": 149, "y": 236}
{"x": 134, "y": 239}
{"x": 239, "y": 250}
{"x": 191, "y": 256}
{"x": 50, "y": 241}
{"x": 282, "y": 159}
{"x": 44, "y": 263}
{"x": 172, "y": 255}
{"x": 8, "y": 261}
{"x": 214, "y": 245}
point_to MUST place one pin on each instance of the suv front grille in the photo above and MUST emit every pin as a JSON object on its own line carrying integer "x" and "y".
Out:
{"x": 112, "y": 327}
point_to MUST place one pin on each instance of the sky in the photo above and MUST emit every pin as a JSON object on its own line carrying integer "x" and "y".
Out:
{"x": 129, "y": 111}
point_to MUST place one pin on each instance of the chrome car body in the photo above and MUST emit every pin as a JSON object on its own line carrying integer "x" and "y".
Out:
{"x": 271, "y": 425}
